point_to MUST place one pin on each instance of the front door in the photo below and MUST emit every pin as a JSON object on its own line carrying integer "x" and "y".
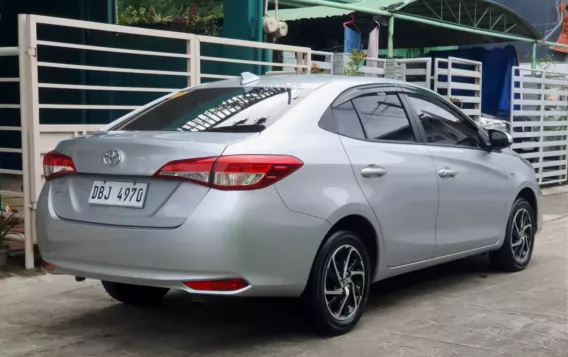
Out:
{"x": 472, "y": 183}
{"x": 394, "y": 171}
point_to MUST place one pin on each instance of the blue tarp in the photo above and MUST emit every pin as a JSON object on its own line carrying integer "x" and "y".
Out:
{"x": 352, "y": 40}
{"x": 496, "y": 77}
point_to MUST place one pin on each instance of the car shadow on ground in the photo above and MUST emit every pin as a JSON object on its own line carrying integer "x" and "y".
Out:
{"x": 209, "y": 325}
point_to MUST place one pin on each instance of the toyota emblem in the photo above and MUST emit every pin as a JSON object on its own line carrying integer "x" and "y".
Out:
{"x": 111, "y": 158}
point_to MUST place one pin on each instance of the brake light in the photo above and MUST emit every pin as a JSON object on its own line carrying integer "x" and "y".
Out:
{"x": 239, "y": 172}
{"x": 217, "y": 285}
{"x": 56, "y": 164}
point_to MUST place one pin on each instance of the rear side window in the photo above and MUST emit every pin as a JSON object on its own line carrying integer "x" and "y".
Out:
{"x": 383, "y": 117}
{"x": 229, "y": 109}
{"x": 348, "y": 123}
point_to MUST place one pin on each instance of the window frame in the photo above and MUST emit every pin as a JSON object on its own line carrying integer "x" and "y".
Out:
{"x": 430, "y": 97}
{"x": 360, "y": 91}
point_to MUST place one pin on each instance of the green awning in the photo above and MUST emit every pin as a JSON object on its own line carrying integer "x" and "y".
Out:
{"x": 480, "y": 18}
{"x": 314, "y": 12}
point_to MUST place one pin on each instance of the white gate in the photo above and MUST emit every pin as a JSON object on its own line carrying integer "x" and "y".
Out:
{"x": 417, "y": 71}
{"x": 539, "y": 121}
{"x": 413, "y": 70}
{"x": 48, "y": 44}
{"x": 459, "y": 80}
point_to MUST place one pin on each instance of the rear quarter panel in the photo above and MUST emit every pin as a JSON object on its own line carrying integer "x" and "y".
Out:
{"x": 325, "y": 187}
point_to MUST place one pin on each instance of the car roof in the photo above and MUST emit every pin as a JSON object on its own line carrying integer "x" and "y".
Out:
{"x": 304, "y": 81}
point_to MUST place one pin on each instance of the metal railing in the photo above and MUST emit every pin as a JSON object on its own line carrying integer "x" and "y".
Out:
{"x": 23, "y": 194}
{"x": 460, "y": 81}
{"x": 539, "y": 121}
{"x": 94, "y": 51}
{"x": 323, "y": 60}
{"x": 47, "y": 135}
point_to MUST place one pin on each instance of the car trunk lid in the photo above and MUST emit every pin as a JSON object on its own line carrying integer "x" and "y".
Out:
{"x": 167, "y": 203}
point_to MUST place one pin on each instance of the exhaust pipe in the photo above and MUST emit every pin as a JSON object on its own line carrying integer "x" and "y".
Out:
{"x": 79, "y": 279}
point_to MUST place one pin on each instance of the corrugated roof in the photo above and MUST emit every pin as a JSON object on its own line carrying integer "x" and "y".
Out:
{"x": 314, "y": 12}
{"x": 473, "y": 14}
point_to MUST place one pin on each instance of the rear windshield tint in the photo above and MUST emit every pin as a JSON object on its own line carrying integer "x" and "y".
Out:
{"x": 229, "y": 109}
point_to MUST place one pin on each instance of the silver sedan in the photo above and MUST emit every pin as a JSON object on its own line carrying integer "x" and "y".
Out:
{"x": 307, "y": 186}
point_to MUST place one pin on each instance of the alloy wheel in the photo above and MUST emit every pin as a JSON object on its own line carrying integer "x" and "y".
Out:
{"x": 522, "y": 234}
{"x": 344, "y": 282}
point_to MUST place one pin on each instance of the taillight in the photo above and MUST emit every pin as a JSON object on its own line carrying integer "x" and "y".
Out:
{"x": 56, "y": 164}
{"x": 239, "y": 172}
{"x": 195, "y": 170}
{"x": 250, "y": 172}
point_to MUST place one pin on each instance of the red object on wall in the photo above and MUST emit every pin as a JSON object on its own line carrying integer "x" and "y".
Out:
{"x": 563, "y": 38}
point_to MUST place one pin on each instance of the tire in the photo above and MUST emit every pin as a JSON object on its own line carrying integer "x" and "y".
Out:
{"x": 135, "y": 294}
{"x": 516, "y": 251}
{"x": 325, "y": 309}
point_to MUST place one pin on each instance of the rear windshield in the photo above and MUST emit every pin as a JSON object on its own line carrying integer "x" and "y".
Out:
{"x": 230, "y": 109}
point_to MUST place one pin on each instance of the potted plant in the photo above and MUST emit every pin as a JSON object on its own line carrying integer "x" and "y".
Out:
{"x": 6, "y": 225}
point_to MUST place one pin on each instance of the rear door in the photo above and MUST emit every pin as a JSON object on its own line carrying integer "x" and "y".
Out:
{"x": 472, "y": 181}
{"x": 393, "y": 169}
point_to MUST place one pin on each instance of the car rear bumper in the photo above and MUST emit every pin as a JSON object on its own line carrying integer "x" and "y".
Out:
{"x": 249, "y": 235}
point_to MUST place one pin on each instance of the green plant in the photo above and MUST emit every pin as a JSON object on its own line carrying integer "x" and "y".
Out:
{"x": 7, "y": 223}
{"x": 316, "y": 69}
{"x": 355, "y": 63}
{"x": 175, "y": 8}
{"x": 545, "y": 63}
{"x": 201, "y": 16}
{"x": 142, "y": 15}
{"x": 209, "y": 22}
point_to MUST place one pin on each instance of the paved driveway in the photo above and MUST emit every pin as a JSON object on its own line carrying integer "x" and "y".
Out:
{"x": 459, "y": 309}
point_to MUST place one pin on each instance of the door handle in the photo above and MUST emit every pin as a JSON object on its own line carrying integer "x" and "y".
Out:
{"x": 373, "y": 171}
{"x": 446, "y": 173}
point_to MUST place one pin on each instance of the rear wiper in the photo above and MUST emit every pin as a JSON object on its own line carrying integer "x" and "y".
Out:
{"x": 253, "y": 128}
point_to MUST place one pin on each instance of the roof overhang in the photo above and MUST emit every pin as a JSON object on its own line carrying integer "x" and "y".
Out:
{"x": 427, "y": 23}
{"x": 473, "y": 14}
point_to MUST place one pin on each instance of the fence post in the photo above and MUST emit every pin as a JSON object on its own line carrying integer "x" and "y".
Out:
{"x": 390, "y": 44}
{"x": 29, "y": 116}
{"x": 194, "y": 63}
{"x": 429, "y": 83}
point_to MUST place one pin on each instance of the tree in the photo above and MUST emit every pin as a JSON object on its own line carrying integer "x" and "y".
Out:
{"x": 175, "y": 7}
{"x": 195, "y": 16}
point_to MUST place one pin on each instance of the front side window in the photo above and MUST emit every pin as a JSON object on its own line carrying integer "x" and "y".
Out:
{"x": 441, "y": 125}
{"x": 221, "y": 109}
{"x": 383, "y": 117}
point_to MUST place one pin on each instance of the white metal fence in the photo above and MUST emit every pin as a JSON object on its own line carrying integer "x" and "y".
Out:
{"x": 539, "y": 121}
{"x": 417, "y": 71}
{"x": 414, "y": 70}
{"x": 193, "y": 72}
{"x": 323, "y": 61}
{"x": 459, "y": 80}
{"x": 76, "y": 71}
{"x": 13, "y": 53}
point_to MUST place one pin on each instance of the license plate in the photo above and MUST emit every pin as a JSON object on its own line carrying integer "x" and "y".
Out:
{"x": 122, "y": 194}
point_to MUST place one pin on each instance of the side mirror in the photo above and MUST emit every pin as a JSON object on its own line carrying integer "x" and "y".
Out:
{"x": 499, "y": 139}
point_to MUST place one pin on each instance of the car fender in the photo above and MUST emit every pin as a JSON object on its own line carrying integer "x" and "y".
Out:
{"x": 364, "y": 210}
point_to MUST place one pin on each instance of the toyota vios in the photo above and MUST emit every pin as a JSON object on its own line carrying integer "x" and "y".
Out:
{"x": 311, "y": 186}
